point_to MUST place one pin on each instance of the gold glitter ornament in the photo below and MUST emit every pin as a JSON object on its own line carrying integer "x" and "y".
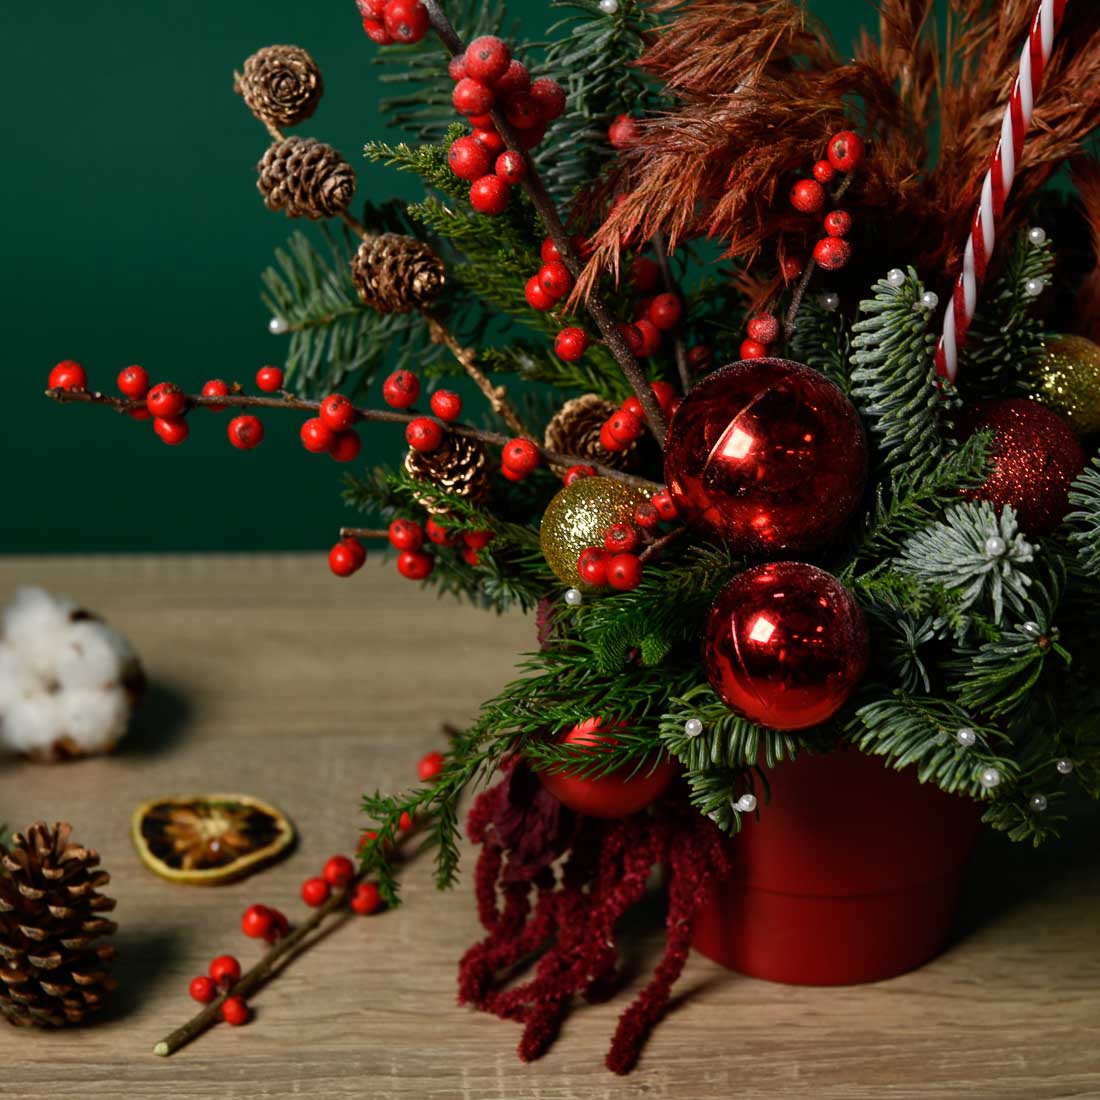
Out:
{"x": 579, "y": 516}
{"x": 1066, "y": 378}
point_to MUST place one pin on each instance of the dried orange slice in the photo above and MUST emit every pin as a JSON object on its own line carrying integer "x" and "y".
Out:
{"x": 209, "y": 839}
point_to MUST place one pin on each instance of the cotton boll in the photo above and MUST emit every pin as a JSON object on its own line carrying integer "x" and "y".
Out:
{"x": 33, "y": 612}
{"x": 33, "y": 725}
{"x": 94, "y": 720}
{"x": 88, "y": 656}
{"x": 16, "y": 680}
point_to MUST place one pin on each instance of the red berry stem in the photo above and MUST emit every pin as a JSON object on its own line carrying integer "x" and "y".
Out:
{"x": 544, "y": 205}
{"x": 660, "y": 246}
{"x": 658, "y": 546}
{"x": 364, "y": 533}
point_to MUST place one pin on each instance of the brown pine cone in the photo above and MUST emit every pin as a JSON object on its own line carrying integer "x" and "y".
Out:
{"x": 305, "y": 177}
{"x": 396, "y": 274}
{"x": 460, "y": 466}
{"x": 575, "y": 430}
{"x": 281, "y": 85}
{"x": 51, "y": 971}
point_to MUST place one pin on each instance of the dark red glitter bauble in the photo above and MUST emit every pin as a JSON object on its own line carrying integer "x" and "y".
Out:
{"x": 1035, "y": 457}
{"x": 786, "y": 644}
{"x": 767, "y": 456}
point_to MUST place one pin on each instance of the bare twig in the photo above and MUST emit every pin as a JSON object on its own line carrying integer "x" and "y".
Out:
{"x": 656, "y": 548}
{"x": 660, "y": 245}
{"x": 364, "y": 533}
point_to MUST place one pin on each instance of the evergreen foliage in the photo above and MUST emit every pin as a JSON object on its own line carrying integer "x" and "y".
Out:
{"x": 1084, "y": 521}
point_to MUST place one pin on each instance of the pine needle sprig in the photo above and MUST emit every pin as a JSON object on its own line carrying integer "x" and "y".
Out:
{"x": 821, "y": 340}
{"x": 595, "y": 373}
{"x": 1084, "y": 522}
{"x": 714, "y": 792}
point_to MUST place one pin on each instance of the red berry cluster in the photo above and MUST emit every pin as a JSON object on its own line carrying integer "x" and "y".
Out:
{"x": 616, "y": 563}
{"x": 486, "y": 76}
{"x": 337, "y": 872}
{"x": 224, "y": 972}
{"x": 331, "y": 432}
{"x": 844, "y": 153}
{"x": 394, "y": 21}
{"x": 627, "y": 423}
{"x": 553, "y": 282}
{"x": 763, "y": 330}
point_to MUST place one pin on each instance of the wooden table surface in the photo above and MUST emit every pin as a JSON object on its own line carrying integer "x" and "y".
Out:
{"x": 271, "y": 677}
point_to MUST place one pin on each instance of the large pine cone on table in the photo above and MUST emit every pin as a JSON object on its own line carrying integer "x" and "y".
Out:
{"x": 306, "y": 178}
{"x": 280, "y": 84}
{"x": 396, "y": 274}
{"x": 52, "y": 972}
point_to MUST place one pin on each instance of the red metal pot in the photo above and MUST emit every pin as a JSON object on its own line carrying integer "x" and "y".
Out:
{"x": 852, "y": 874}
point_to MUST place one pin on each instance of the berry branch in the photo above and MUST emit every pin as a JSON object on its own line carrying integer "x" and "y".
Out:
{"x": 548, "y": 214}
{"x": 661, "y": 247}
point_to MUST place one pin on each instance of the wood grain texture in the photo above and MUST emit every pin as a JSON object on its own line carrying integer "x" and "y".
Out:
{"x": 273, "y": 678}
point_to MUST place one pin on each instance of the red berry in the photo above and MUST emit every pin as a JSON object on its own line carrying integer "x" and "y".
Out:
{"x": 345, "y": 446}
{"x": 555, "y": 279}
{"x": 646, "y": 515}
{"x": 832, "y": 253}
{"x": 477, "y": 540}
{"x": 665, "y": 392}
{"x": 316, "y": 435}
{"x": 791, "y": 268}
{"x": 838, "y": 223}
{"x": 346, "y": 557}
{"x": 224, "y": 970}
{"x": 376, "y": 31}
{"x": 470, "y": 96}
{"x": 202, "y": 989}
{"x": 623, "y": 132}
{"x": 633, "y": 337}
{"x": 133, "y": 381}
{"x": 520, "y": 455}
{"x": 280, "y": 926}
{"x": 456, "y": 69}
{"x": 246, "y": 432}
{"x": 487, "y": 58}
{"x": 366, "y": 899}
{"x": 516, "y": 78}
{"x": 406, "y": 534}
{"x": 235, "y": 1011}
{"x": 470, "y": 556}
{"x": 337, "y": 412}
{"x": 621, "y": 538}
{"x": 700, "y": 356}
{"x": 807, "y": 196}
{"x": 570, "y": 344}
{"x": 257, "y": 921}
{"x": 406, "y": 21}
{"x": 633, "y": 406}
{"x": 438, "y": 534}
{"x": 172, "y": 430}
{"x": 401, "y": 389}
{"x": 468, "y": 158}
{"x": 414, "y": 564}
{"x": 592, "y": 566}
{"x": 624, "y": 427}
{"x": 269, "y": 379}
{"x": 651, "y": 337}
{"x": 529, "y": 136}
{"x": 492, "y": 141}
{"x": 624, "y": 572}
{"x": 522, "y": 110}
{"x": 845, "y": 151}
{"x": 447, "y": 405}
{"x": 338, "y": 871}
{"x": 215, "y": 388}
{"x": 140, "y": 413}
{"x": 315, "y": 892}
{"x": 424, "y": 434}
{"x": 489, "y": 195}
{"x": 537, "y": 296}
{"x": 511, "y": 167}
{"x": 166, "y": 399}
{"x": 608, "y": 441}
{"x": 764, "y": 327}
{"x": 665, "y": 311}
{"x": 549, "y": 250}
{"x": 430, "y": 765}
{"x": 578, "y": 471}
{"x": 662, "y": 501}
{"x": 824, "y": 172}
{"x": 405, "y": 821}
{"x": 550, "y": 96}
{"x": 372, "y": 9}
{"x": 753, "y": 349}
{"x": 68, "y": 375}
{"x": 646, "y": 275}
{"x": 481, "y": 122}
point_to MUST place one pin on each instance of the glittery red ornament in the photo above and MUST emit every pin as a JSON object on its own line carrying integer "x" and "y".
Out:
{"x": 768, "y": 456}
{"x": 618, "y": 794}
{"x": 786, "y": 644}
{"x": 1035, "y": 456}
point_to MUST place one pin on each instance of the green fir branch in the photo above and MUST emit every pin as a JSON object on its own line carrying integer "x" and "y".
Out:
{"x": 714, "y": 792}
{"x": 822, "y": 341}
{"x": 1084, "y": 522}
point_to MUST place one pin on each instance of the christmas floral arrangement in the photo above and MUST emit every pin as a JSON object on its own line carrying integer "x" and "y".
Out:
{"x": 806, "y": 471}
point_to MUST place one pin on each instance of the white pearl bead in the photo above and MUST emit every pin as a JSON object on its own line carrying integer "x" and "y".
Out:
{"x": 966, "y": 737}
{"x": 277, "y": 326}
{"x": 746, "y": 803}
{"x": 990, "y": 778}
{"x": 693, "y": 727}
{"x": 1064, "y": 766}
{"x": 1037, "y": 235}
{"x": 1034, "y": 287}
{"x": 995, "y": 546}
{"x": 895, "y": 276}
{"x": 830, "y": 301}
{"x": 609, "y": 7}
{"x": 1038, "y": 803}
{"x": 573, "y": 597}
{"x": 929, "y": 300}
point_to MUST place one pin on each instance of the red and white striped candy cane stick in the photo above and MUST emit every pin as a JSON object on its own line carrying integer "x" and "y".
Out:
{"x": 997, "y": 184}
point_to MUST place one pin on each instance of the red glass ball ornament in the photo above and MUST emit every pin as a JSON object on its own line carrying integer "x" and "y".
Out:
{"x": 786, "y": 644}
{"x": 767, "y": 456}
{"x": 1034, "y": 458}
{"x": 618, "y": 794}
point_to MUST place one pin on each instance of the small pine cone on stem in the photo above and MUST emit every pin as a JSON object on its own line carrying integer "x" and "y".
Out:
{"x": 397, "y": 274}
{"x": 460, "y": 466}
{"x": 306, "y": 178}
{"x": 575, "y": 430}
{"x": 280, "y": 84}
{"x": 52, "y": 972}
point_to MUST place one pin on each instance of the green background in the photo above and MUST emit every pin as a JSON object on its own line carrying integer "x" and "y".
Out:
{"x": 135, "y": 234}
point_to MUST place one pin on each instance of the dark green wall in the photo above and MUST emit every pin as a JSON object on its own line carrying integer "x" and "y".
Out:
{"x": 134, "y": 233}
